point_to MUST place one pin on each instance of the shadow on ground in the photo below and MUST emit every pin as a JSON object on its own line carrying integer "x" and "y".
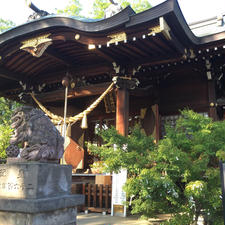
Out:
{"x": 99, "y": 219}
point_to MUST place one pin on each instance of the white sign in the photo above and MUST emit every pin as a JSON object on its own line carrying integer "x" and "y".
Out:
{"x": 118, "y": 195}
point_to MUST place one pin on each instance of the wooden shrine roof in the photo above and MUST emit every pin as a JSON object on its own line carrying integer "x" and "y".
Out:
{"x": 91, "y": 51}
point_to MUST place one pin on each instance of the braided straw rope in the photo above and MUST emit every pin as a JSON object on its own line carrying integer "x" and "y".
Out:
{"x": 59, "y": 119}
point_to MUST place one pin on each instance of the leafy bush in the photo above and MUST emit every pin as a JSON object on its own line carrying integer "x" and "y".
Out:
{"x": 130, "y": 152}
{"x": 5, "y": 132}
{"x": 179, "y": 175}
{"x": 6, "y": 109}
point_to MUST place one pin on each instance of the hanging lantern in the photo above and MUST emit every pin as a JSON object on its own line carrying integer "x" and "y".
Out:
{"x": 84, "y": 124}
{"x": 65, "y": 81}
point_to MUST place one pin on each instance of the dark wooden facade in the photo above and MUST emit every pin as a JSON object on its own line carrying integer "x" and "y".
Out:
{"x": 175, "y": 69}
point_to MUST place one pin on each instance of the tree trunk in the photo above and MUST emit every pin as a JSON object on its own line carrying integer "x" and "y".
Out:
{"x": 197, "y": 214}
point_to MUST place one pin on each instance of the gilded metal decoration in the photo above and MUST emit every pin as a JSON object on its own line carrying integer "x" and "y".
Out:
{"x": 116, "y": 67}
{"x": 77, "y": 36}
{"x": 162, "y": 27}
{"x": 110, "y": 102}
{"x": 115, "y": 38}
{"x": 125, "y": 82}
{"x": 136, "y": 70}
{"x": 91, "y": 46}
{"x": 154, "y": 30}
{"x": 36, "y": 46}
{"x": 192, "y": 54}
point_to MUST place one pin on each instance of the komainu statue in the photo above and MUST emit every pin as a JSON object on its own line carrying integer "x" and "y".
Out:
{"x": 34, "y": 131}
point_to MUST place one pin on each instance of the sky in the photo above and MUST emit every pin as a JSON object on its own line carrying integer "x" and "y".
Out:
{"x": 193, "y": 10}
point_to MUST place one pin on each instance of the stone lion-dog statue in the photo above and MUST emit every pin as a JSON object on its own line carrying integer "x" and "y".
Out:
{"x": 34, "y": 131}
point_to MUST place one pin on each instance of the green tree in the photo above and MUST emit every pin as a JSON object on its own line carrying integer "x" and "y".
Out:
{"x": 72, "y": 9}
{"x": 140, "y": 5}
{"x": 179, "y": 175}
{"x": 100, "y": 6}
{"x": 5, "y": 132}
{"x": 5, "y": 25}
{"x": 6, "y": 106}
{"x": 6, "y": 109}
{"x": 131, "y": 152}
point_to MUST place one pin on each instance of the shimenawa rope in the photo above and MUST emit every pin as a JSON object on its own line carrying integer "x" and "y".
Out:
{"x": 59, "y": 119}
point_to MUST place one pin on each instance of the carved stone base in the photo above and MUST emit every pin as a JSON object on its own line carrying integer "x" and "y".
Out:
{"x": 37, "y": 194}
{"x": 63, "y": 216}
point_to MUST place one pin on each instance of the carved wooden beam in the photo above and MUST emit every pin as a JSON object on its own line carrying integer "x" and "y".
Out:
{"x": 80, "y": 38}
{"x": 78, "y": 92}
{"x": 154, "y": 60}
{"x": 56, "y": 76}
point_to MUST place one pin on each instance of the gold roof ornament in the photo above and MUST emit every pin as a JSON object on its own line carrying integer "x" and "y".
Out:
{"x": 163, "y": 27}
{"x": 154, "y": 30}
{"x": 118, "y": 37}
{"x": 36, "y": 46}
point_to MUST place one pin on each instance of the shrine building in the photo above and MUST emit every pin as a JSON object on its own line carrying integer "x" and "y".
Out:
{"x": 126, "y": 69}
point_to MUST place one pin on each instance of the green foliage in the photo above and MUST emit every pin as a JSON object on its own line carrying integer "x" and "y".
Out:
{"x": 5, "y": 132}
{"x": 6, "y": 109}
{"x": 72, "y": 9}
{"x": 139, "y": 5}
{"x": 130, "y": 152}
{"x": 5, "y": 25}
{"x": 100, "y": 6}
{"x": 6, "y": 106}
{"x": 179, "y": 219}
{"x": 179, "y": 175}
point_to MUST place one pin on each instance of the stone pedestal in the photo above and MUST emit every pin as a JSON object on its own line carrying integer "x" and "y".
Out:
{"x": 37, "y": 194}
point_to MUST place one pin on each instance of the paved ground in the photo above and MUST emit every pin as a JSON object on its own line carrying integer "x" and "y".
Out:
{"x": 99, "y": 219}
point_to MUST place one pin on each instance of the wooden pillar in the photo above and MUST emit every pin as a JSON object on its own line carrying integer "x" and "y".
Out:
{"x": 123, "y": 84}
{"x": 157, "y": 123}
{"x": 122, "y": 111}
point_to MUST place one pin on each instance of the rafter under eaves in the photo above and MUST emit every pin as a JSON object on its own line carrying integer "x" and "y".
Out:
{"x": 9, "y": 75}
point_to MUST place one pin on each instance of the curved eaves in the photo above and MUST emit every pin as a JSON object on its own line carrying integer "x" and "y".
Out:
{"x": 213, "y": 38}
{"x": 171, "y": 11}
{"x": 186, "y": 29}
{"x": 173, "y": 15}
{"x": 58, "y": 21}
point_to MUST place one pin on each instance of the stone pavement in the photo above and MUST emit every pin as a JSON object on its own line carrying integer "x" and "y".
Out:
{"x": 99, "y": 219}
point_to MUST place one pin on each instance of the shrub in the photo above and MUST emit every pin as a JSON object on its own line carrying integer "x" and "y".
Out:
{"x": 179, "y": 175}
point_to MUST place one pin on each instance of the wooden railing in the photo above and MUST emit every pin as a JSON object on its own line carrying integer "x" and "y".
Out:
{"x": 97, "y": 196}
